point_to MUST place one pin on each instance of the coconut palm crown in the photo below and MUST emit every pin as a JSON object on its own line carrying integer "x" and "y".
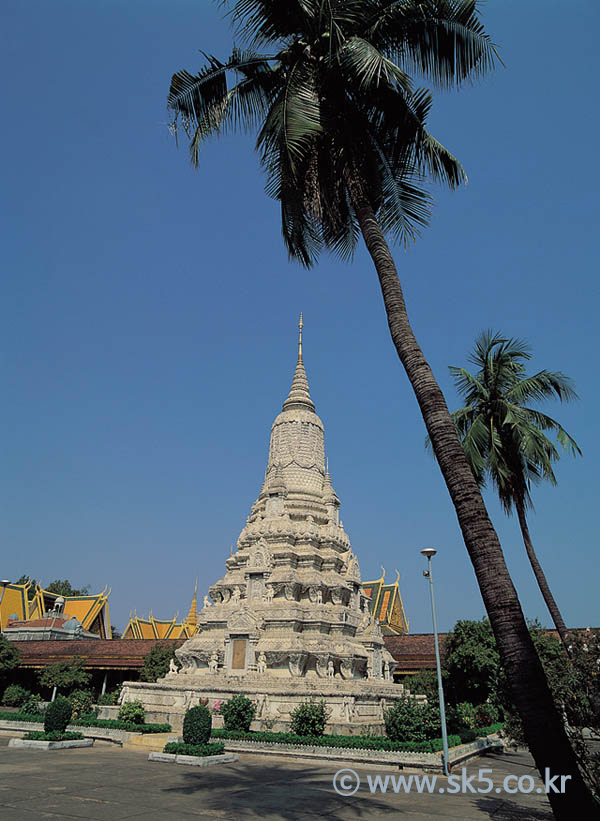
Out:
{"x": 336, "y": 112}
{"x": 504, "y": 440}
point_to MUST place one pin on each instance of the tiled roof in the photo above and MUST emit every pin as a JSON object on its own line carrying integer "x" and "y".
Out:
{"x": 414, "y": 652}
{"x": 99, "y": 653}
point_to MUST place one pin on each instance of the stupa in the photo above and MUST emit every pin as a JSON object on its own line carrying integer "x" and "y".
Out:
{"x": 289, "y": 620}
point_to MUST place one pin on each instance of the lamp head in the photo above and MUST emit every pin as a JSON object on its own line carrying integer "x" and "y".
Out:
{"x": 4, "y": 582}
{"x": 428, "y": 552}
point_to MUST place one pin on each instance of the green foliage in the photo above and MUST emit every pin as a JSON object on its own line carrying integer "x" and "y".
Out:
{"x": 57, "y": 715}
{"x": 471, "y": 662}
{"x": 29, "y": 718}
{"x": 238, "y": 713}
{"x": 156, "y": 663}
{"x": 15, "y": 695}
{"x": 176, "y": 748}
{"x": 63, "y": 587}
{"x": 55, "y": 735}
{"x": 464, "y": 713}
{"x": 423, "y": 683}
{"x": 108, "y": 699}
{"x": 486, "y": 714}
{"x": 31, "y": 705}
{"x": 133, "y": 712}
{"x": 115, "y": 724}
{"x": 81, "y": 702}
{"x": 197, "y": 725}
{"x": 309, "y": 718}
{"x": 407, "y": 720}
{"x": 9, "y": 658}
{"x": 65, "y": 675}
{"x": 340, "y": 741}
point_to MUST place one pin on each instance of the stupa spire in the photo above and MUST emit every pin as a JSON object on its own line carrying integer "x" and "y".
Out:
{"x": 299, "y": 395}
{"x": 192, "y": 618}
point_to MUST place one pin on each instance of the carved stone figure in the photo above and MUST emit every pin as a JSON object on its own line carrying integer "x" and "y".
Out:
{"x": 173, "y": 667}
{"x": 261, "y": 665}
{"x": 319, "y": 596}
{"x": 236, "y": 595}
{"x": 207, "y": 602}
{"x": 330, "y": 669}
{"x": 213, "y": 663}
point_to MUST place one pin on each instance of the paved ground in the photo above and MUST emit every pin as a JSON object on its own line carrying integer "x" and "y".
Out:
{"x": 106, "y": 783}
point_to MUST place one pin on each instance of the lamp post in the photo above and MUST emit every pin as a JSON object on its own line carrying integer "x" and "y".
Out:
{"x": 428, "y": 552}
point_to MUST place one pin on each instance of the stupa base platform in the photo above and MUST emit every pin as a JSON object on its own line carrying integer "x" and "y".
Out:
{"x": 356, "y": 706}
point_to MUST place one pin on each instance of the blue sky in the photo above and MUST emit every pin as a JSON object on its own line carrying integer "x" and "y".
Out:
{"x": 149, "y": 313}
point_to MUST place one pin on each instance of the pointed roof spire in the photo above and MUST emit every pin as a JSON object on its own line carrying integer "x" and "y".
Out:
{"x": 299, "y": 395}
{"x": 192, "y": 618}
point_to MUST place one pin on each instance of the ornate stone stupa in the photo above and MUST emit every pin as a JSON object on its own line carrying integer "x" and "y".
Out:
{"x": 289, "y": 620}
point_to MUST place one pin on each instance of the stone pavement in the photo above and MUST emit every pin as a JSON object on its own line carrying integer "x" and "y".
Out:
{"x": 107, "y": 783}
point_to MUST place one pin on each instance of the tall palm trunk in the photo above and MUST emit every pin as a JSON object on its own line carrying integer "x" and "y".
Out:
{"x": 543, "y": 727}
{"x": 539, "y": 574}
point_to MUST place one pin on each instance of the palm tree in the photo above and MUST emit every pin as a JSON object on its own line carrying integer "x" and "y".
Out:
{"x": 504, "y": 441}
{"x": 341, "y": 134}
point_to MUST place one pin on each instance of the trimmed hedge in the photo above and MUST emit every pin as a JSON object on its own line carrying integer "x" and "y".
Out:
{"x": 197, "y": 725}
{"x": 57, "y": 715}
{"x": 340, "y": 741}
{"x": 434, "y": 745}
{"x": 38, "y": 735}
{"x": 92, "y": 721}
{"x": 175, "y": 748}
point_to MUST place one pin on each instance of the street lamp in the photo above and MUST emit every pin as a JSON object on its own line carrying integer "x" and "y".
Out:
{"x": 428, "y": 552}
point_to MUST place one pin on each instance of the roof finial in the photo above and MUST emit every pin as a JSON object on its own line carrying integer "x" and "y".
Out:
{"x": 299, "y": 395}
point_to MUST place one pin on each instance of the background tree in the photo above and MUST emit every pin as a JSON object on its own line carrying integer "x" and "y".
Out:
{"x": 504, "y": 440}
{"x": 342, "y": 137}
{"x": 471, "y": 662}
{"x": 156, "y": 663}
{"x": 423, "y": 683}
{"x": 63, "y": 587}
{"x": 66, "y": 676}
{"x": 9, "y": 659}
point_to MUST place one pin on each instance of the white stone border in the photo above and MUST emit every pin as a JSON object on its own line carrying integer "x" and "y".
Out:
{"x": 194, "y": 760}
{"x": 29, "y": 743}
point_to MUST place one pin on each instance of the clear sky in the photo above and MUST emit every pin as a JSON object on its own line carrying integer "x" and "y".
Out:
{"x": 149, "y": 313}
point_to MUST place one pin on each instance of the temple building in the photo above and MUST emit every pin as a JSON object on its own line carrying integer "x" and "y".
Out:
{"x": 151, "y": 628}
{"x": 385, "y": 605}
{"x": 290, "y": 618}
{"x": 48, "y": 615}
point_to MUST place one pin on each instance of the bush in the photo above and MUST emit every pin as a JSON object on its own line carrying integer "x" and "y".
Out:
{"x": 132, "y": 712}
{"x": 115, "y": 724}
{"x": 81, "y": 702}
{"x": 20, "y": 717}
{"x": 15, "y": 695}
{"x": 407, "y": 720}
{"x": 176, "y": 748}
{"x": 309, "y": 718}
{"x": 57, "y": 715}
{"x": 486, "y": 714}
{"x": 107, "y": 699}
{"x": 238, "y": 713}
{"x": 197, "y": 725}
{"x": 464, "y": 716}
{"x": 31, "y": 705}
{"x": 38, "y": 735}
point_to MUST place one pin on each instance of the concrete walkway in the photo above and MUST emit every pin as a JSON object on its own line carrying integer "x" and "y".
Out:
{"x": 106, "y": 783}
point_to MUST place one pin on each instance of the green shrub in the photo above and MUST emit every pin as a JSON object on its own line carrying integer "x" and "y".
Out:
{"x": 197, "y": 725}
{"x": 108, "y": 699}
{"x": 408, "y": 720}
{"x": 465, "y": 715}
{"x": 57, "y": 715}
{"x": 81, "y": 702}
{"x": 238, "y": 713}
{"x": 20, "y": 717}
{"x": 176, "y": 748}
{"x": 115, "y": 724}
{"x": 486, "y": 714}
{"x": 55, "y": 735}
{"x": 31, "y": 705}
{"x": 132, "y": 712}
{"x": 433, "y": 745}
{"x": 15, "y": 695}
{"x": 309, "y": 718}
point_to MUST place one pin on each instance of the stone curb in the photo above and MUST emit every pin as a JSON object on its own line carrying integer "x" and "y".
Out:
{"x": 194, "y": 760}
{"x": 50, "y": 745}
